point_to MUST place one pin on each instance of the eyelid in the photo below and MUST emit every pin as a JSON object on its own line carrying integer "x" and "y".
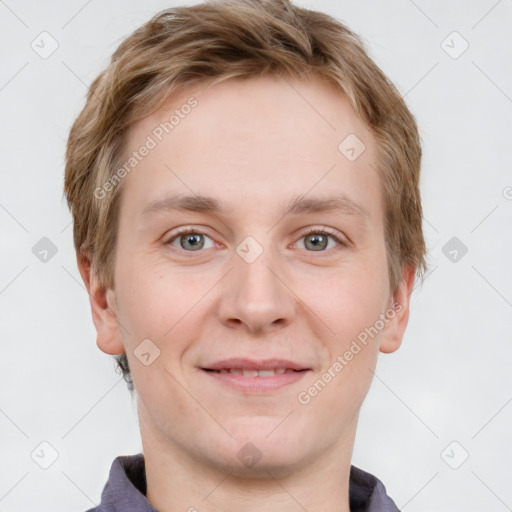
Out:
{"x": 326, "y": 231}
{"x": 185, "y": 231}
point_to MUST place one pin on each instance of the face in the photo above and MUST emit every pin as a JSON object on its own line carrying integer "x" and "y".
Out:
{"x": 283, "y": 259}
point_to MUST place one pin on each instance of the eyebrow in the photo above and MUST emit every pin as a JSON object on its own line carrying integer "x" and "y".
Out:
{"x": 298, "y": 205}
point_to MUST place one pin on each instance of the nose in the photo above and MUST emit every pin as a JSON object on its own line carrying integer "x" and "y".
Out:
{"x": 255, "y": 296}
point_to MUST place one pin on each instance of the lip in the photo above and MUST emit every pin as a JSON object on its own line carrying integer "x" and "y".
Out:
{"x": 252, "y": 364}
{"x": 256, "y": 384}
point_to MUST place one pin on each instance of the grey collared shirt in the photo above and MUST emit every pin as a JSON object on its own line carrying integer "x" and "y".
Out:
{"x": 126, "y": 489}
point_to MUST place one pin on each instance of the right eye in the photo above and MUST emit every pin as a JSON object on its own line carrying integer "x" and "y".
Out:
{"x": 189, "y": 240}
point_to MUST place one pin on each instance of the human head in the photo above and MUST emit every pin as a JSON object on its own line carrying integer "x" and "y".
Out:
{"x": 215, "y": 41}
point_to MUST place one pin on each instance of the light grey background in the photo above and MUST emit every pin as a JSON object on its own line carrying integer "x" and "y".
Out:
{"x": 450, "y": 381}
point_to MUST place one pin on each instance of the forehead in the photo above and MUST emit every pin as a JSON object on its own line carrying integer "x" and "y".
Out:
{"x": 256, "y": 139}
{"x": 287, "y": 109}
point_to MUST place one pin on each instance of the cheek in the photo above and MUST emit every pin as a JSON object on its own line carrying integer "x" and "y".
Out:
{"x": 162, "y": 303}
{"x": 161, "y": 306}
{"x": 351, "y": 299}
{"x": 350, "y": 307}
{"x": 146, "y": 289}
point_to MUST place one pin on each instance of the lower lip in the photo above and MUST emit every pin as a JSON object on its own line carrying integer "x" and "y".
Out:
{"x": 257, "y": 384}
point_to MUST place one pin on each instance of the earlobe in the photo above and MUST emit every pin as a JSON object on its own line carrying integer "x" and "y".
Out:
{"x": 103, "y": 308}
{"x": 399, "y": 314}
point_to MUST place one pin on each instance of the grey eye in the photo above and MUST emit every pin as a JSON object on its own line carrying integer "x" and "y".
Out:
{"x": 316, "y": 242}
{"x": 191, "y": 242}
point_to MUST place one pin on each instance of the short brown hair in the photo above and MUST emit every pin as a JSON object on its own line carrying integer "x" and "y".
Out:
{"x": 215, "y": 41}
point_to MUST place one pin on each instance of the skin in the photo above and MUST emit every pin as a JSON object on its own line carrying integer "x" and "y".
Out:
{"x": 253, "y": 145}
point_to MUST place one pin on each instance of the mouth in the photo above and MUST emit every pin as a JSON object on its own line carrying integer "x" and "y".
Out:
{"x": 256, "y": 376}
{"x": 244, "y": 364}
{"x": 254, "y": 373}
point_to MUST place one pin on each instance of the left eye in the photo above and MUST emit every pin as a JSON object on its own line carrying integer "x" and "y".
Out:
{"x": 319, "y": 240}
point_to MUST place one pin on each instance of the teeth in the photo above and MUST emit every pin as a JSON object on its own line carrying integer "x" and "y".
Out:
{"x": 250, "y": 373}
{"x": 256, "y": 373}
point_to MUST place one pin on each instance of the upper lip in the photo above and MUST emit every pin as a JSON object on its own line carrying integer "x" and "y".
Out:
{"x": 252, "y": 364}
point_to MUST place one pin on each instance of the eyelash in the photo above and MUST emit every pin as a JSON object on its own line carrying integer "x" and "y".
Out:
{"x": 317, "y": 231}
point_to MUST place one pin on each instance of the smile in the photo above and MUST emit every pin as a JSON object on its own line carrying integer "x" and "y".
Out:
{"x": 254, "y": 373}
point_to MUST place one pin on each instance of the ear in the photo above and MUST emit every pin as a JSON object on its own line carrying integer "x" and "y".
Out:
{"x": 395, "y": 328}
{"x": 103, "y": 307}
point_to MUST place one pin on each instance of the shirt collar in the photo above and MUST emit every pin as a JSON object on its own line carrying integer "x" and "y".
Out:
{"x": 126, "y": 489}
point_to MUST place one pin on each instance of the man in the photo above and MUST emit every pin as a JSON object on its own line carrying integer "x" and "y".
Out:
{"x": 244, "y": 184}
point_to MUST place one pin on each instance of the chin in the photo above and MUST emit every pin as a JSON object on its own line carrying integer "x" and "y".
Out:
{"x": 251, "y": 461}
{"x": 260, "y": 445}
{"x": 265, "y": 430}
